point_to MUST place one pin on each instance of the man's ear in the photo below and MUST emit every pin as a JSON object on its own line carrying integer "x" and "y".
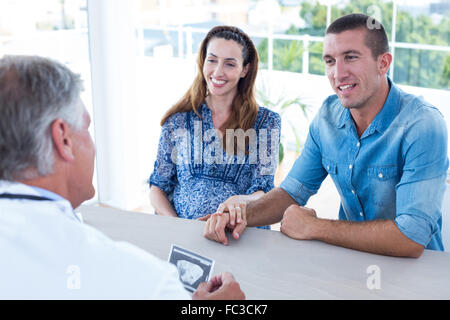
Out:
{"x": 61, "y": 136}
{"x": 384, "y": 62}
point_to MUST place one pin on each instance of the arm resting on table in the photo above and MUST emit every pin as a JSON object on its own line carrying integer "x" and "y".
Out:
{"x": 161, "y": 203}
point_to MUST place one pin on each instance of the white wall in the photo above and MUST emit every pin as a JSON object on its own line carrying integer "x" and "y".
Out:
{"x": 112, "y": 44}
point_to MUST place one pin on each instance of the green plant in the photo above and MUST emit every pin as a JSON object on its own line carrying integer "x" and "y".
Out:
{"x": 281, "y": 104}
{"x": 289, "y": 56}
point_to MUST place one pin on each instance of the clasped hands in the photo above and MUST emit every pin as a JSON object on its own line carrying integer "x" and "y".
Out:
{"x": 230, "y": 215}
{"x": 297, "y": 222}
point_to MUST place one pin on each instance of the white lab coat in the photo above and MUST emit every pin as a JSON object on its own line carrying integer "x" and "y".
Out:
{"x": 46, "y": 252}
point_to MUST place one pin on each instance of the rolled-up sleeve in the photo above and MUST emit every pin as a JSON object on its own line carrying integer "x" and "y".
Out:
{"x": 420, "y": 191}
{"x": 307, "y": 173}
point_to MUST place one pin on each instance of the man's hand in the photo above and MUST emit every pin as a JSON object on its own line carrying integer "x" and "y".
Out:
{"x": 220, "y": 287}
{"x": 216, "y": 225}
{"x": 236, "y": 206}
{"x": 298, "y": 222}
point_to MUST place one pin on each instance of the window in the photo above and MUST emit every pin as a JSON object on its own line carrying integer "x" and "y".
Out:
{"x": 289, "y": 36}
{"x": 51, "y": 28}
{"x": 55, "y": 29}
{"x": 143, "y": 59}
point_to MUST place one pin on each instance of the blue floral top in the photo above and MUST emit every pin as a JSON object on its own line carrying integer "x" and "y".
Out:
{"x": 197, "y": 174}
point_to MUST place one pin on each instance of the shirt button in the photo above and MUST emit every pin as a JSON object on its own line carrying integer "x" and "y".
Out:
{"x": 361, "y": 214}
{"x": 358, "y": 144}
{"x": 328, "y": 168}
{"x": 350, "y": 167}
{"x": 353, "y": 191}
{"x": 380, "y": 175}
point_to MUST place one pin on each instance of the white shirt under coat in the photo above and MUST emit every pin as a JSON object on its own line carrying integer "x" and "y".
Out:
{"x": 46, "y": 252}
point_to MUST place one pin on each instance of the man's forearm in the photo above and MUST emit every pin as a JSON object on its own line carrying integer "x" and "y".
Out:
{"x": 378, "y": 236}
{"x": 269, "y": 208}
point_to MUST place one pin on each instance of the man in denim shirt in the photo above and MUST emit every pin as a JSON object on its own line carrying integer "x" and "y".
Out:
{"x": 385, "y": 150}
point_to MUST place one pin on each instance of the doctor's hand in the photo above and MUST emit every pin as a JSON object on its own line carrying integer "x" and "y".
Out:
{"x": 220, "y": 287}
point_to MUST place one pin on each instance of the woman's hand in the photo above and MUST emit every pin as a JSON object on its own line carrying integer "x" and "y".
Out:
{"x": 230, "y": 215}
{"x": 216, "y": 225}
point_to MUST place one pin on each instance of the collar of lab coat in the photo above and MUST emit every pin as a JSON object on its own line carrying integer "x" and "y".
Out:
{"x": 19, "y": 188}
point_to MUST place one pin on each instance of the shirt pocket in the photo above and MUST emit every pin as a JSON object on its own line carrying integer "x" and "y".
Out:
{"x": 330, "y": 166}
{"x": 382, "y": 173}
{"x": 381, "y": 183}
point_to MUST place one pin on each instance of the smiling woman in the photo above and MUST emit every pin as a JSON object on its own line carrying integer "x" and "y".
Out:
{"x": 243, "y": 104}
{"x": 185, "y": 183}
{"x": 223, "y": 69}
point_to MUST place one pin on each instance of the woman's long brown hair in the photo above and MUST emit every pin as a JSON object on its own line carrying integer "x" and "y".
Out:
{"x": 244, "y": 108}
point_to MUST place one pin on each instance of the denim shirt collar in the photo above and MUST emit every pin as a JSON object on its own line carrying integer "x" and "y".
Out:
{"x": 384, "y": 117}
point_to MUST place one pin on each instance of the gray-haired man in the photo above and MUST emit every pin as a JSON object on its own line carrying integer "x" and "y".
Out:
{"x": 46, "y": 168}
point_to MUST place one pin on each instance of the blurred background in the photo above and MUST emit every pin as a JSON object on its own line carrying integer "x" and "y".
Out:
{"x": 138, "y": 57}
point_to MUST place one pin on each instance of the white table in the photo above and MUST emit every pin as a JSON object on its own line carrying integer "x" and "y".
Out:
{"x": 269, "y": 265}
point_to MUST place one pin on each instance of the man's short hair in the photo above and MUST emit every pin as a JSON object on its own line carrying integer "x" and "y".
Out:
{"x": 376, "y": 39}
{"x": 34, "y": 91}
